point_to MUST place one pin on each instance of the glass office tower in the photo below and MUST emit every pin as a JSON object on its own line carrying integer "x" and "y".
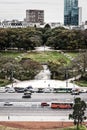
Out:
{"x": 71, "y": 12}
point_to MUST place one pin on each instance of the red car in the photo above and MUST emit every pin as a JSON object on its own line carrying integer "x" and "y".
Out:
{"x": 44, "y": 104}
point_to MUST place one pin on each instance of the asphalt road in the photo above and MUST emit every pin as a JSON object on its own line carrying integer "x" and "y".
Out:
{"x": 39, "y": 97}
{"x": 32, "y": 106}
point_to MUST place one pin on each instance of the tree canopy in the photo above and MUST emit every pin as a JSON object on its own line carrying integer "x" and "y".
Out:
{"x": 78, "y": 114}
{"x": 22, "y": 70}
{"x": 29, "y": 38}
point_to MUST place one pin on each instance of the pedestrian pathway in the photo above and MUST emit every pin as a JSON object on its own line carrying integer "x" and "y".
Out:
{"x": 44, "y": 74}
{"x": 67, "y": 55}
{"x": 34, "y": 118}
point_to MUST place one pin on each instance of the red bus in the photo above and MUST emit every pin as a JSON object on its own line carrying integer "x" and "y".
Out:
{"x": 61, "y": 105}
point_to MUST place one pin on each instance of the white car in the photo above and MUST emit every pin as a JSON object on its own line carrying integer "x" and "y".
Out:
{"x": 11, "y": 90}
{"x": 47, "y": 90}
{"x": 83, "y": 91}
{"x": 2, "y": 90}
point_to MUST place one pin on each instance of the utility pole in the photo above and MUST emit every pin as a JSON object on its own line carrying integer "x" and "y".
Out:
{"x": 44, "y": 47}
{"x": 12, "y": 77}
{"x": 66, "y": 77}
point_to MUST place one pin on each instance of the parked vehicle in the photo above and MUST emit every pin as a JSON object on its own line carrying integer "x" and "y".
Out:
{"x": 40, "y": 90}
{"x": 2, "y": 90}
{"x": 46, "y": 90}
{"x": 83, "y": 91}
{"x": 19, "y": 90}
{"x": 75, "y": 93}
{"x": 11, "y": 90}
{"x": 29, "y": 88}
{"x": 62, "y": 90}
{"x": 27, "y": 92}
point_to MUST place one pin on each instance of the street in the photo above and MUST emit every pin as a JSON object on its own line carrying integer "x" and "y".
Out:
{"x": 32, "y": 107}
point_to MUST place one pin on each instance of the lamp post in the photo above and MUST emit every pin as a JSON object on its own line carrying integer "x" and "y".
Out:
{"x": 73, "y": 85}
{"x": 74, "y": 90}
{"x": 11, "y": 74}
{"x": 44, "y": 47}
{"x": 12, "y": 77}
{"x": 66, "y": 77}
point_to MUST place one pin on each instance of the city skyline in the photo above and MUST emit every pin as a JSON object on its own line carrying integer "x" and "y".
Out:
{"x": 53, "y": 10}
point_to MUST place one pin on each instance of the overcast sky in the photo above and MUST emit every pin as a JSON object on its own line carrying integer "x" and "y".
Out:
{"x": 53, "y": 9}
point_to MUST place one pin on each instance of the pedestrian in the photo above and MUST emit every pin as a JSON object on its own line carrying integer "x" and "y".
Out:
{"x": 8, "y": 117}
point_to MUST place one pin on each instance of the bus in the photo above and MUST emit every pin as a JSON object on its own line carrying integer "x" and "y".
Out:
{"x": 62, "y": 90}
{"x": 61, "y": 105}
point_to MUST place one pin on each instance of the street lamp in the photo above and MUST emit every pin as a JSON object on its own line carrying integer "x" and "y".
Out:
{"x": 73, "y": 85}
{"x": 66, "y": 77}
{"x": 11, "y": 76}
{"x": 74, "y": 89}
{"x": 44, "y": 47}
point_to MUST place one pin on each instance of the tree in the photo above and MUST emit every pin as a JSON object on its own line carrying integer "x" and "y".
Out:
{"x": 80, "y": 63}
{"x": 78, "y": 114}
{"x": 55, "y": 66}
{"x": 47, "y": 26}
{"x": 22, "y": 70}
{"x": 3, "y": 39}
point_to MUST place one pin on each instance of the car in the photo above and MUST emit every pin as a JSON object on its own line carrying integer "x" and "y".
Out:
{"x": 11, "y": 90}
{"x": 19, "y": 90}
{"x": 7, "y": 88}
{"x": 75, "y": 93}
{"x": 8, "y": 104}
{"x": 2, "y": 90}
{"x": 47, "y": 91}
{"x": 27, "y": 92}
{"x": 26, "y": 96}
{"x": 44, "y": 104}
{"x": 83, "y": 91}
{"x": 29, "y": 89}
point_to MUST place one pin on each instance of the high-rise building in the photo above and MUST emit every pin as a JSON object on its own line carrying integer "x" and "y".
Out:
{"x": 71, "y": 12}
{"x": 35, "y": 16}
{"x": 80, "y": 15}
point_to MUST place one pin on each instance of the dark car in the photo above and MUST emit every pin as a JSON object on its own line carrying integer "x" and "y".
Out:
{"x": 8, "y": 104}
{"x": 19, "y": 90}
{"x": 75, "y": 93}
{"x": 26, "y": 96}
{"x": 27, "y": 92}
{"x": 29, "y": 89}
{"x": 44, "y": 104}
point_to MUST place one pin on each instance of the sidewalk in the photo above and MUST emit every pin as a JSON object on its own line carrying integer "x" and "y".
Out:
{"x": 35, "y": 118}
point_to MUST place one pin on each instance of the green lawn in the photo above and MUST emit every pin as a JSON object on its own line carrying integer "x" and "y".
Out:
{"x": 72, "y": 54}
{"x": 4, "y": 82}
{"x": 10, "y": 54}
{"x": 38, "y": 56}
{"x": 45, "y": 56}
{"x": 81, "y": 83}
{"x": 70, "y": 128}
{"x": 75, "y": 128}
{"x": 8, "y": 128}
